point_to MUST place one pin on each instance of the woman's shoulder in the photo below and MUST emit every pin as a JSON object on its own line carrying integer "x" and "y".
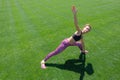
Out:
{"x": 78, "y": 33}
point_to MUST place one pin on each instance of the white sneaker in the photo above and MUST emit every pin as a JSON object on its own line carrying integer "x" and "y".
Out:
{"x": 43, "y": 64}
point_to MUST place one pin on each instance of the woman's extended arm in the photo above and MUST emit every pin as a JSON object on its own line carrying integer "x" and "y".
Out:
{"x": 75, "y": 19}
{"x": 83, "y": 47}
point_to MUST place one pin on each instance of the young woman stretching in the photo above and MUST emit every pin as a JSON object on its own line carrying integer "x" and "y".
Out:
{"x": 75, "y": 40}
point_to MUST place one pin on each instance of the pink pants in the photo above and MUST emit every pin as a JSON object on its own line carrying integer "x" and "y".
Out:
{"x": 64, "y": 44}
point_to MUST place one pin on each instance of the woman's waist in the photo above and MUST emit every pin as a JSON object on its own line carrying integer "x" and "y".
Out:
{"x": 71, "y": 40}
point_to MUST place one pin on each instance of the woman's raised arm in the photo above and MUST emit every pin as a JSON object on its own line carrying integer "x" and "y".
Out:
{"x": 74, "y": 10}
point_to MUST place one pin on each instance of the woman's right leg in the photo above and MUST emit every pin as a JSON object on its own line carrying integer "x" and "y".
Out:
{"x": 59, "y": 49}
{"x": 64, "y": 44}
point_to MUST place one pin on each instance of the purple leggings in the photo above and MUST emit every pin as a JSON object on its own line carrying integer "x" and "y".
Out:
{"x": 64, "y": 44}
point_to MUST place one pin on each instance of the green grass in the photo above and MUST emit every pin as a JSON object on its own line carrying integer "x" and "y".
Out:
{"x": 30, "y": 29}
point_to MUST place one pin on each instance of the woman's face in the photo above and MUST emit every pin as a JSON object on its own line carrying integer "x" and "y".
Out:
{"x": 86, "y": 29}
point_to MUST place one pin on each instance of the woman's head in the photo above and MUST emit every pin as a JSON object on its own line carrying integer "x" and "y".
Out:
{"x": 86, "y": 28}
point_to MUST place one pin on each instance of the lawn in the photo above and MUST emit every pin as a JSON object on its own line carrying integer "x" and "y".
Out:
{"x": 30, "y": 29}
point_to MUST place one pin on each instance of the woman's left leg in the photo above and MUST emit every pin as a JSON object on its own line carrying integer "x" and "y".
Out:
{"x": 77, "y": 44}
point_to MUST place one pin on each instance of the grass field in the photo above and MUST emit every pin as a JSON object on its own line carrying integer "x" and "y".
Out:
{"x": 30, "y": 29}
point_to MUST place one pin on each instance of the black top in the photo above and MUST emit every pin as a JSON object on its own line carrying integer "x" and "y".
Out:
{"x": 77, "y": 37}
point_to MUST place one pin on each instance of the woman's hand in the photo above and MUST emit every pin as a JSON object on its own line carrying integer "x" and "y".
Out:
{"x": 74, "y": 10}
{"x": 84, "y": 51}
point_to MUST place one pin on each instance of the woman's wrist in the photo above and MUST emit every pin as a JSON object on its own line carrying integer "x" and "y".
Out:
{"x": 74, "y": 14}
{"x": 82, "y": 51}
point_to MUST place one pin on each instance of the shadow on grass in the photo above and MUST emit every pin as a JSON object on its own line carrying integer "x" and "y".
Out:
{"x": 76, "y": 65}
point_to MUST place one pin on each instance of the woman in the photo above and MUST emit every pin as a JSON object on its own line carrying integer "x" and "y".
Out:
{"x": 74, "y": 40}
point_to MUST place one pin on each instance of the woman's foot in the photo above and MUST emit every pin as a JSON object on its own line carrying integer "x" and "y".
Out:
{"x": 43, "y": 64}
